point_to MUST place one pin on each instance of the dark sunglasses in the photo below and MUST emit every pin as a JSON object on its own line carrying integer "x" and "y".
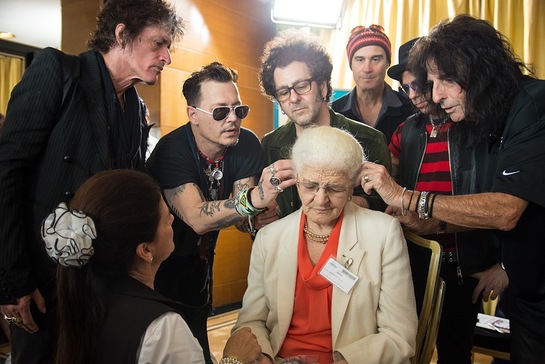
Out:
{"x": 221, "y": 112}
{"x": 417, "y": 87}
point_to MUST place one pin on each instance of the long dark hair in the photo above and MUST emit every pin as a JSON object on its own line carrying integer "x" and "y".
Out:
{"x": 136, "y": 15}
{"x": 125, "y": 208}
{"x": 480, "y": 60}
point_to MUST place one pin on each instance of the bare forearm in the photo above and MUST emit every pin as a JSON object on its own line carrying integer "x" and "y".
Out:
{"x": 490, "y": 210}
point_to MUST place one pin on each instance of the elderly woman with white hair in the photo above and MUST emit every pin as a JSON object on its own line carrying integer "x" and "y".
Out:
{"x": 331, "y": 282}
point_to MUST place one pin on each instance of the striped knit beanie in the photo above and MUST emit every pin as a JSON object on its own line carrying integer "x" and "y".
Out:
{"x": 361, "y": 36}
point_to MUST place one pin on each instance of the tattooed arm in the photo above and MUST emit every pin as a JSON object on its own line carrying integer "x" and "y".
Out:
{"x": 189, "y": 204}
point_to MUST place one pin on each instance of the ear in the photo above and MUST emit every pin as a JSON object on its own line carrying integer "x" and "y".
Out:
{"x": 119, "y": 29}
{"x": 144, "y": 252}
{"x": 192, "y": 115}
{"x": 323, "y": 89}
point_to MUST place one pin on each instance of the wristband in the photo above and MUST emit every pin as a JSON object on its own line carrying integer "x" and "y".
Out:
{"x": 243, "y": 204}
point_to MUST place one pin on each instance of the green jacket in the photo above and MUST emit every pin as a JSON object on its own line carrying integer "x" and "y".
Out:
{"x": 278, "y": 143}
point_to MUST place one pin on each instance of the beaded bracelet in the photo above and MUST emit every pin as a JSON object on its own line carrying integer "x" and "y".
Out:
{"x": 243, "y": 204}
{"x": 230, "y": 360}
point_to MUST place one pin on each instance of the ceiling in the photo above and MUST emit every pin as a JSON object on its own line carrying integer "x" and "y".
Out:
{"x": 34, "y": 22}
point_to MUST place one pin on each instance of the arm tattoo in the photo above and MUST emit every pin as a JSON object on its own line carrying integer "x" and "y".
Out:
{"x": 170, "y": 195}
{"x": 209, "y": 207}
{"x": 230, "y": 203}
{"x": 239, "y": 186}
{"x": 260, "y": 188}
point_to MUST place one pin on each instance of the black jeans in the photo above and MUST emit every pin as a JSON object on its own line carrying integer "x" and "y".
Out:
{"x": 458, "y": 318}
{"x": 526, "y": 346}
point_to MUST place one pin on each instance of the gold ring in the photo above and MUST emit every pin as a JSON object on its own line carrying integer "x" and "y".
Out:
{"x": 366, "y": 178}
{"x": 275, "y": 181}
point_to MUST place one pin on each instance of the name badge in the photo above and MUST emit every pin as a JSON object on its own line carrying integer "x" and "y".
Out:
{"x": 338, "y": 275}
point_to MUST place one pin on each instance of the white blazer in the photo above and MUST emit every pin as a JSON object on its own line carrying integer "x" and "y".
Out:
{"x": 375, "y": 322}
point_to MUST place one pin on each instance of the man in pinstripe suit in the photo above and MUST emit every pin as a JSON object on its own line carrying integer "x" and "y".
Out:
{"x": 69, "y": 118}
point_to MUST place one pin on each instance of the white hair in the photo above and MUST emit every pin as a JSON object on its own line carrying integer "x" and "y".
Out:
{"x": 328, "y": 148}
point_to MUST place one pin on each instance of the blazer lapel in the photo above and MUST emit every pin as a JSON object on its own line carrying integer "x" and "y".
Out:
{"x": 350, "y": 255}
{"x": 287, "y": 275}
{"x": 92, "y": 84}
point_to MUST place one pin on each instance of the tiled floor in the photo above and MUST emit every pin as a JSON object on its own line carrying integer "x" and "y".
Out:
{"x": 220, "y": 326}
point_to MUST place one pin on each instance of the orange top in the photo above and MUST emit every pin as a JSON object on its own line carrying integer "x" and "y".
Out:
{"x": 310, "y": 328}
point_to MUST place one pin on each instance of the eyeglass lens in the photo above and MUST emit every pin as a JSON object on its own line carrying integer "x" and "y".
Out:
{"x": 406, "y": 88}
{"x": 301, "y": 88}
{"x": 221, "y": 112}
{"x": 312, "y": 188}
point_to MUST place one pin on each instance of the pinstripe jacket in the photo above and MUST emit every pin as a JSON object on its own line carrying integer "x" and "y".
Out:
{"x": 56, "y": 136}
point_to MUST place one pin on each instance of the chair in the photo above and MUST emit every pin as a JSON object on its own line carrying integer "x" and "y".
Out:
{"x": 425, "y": 258}
{"x": 489, "y": 342}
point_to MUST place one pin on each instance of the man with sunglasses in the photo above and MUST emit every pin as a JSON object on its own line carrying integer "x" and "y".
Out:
{"x": 425, "y": 156}
{"x": 296, "y": 72}
{"x": 372, "y": 101}
{"x": 199, "y": 166}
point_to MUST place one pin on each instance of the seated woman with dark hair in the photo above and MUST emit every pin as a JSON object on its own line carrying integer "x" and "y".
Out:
{"x": 331, "y": 282}
{"x": 109, "y": 244}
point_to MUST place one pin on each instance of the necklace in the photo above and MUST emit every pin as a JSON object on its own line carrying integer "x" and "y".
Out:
{"x": 214, "y": 172}
{"x": 435, "y": 127}
{"x": 322, "y": 239}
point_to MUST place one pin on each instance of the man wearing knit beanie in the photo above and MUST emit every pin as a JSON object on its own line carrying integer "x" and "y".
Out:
{"x": 372, "y": 101}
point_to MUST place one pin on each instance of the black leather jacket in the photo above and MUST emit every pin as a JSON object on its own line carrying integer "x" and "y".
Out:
{"x": 476, "y": 250}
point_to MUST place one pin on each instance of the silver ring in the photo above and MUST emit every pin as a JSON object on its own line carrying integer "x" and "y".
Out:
{"x": 275, "y": 181}
{"x": 272, "y": 169}
{"x": 278, "y": 188}
{"x": 13, "y": 320}
{"x": 366, "y": 178}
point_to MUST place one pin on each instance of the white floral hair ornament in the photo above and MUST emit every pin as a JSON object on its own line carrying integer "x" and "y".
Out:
{"x": 68, "y": 236}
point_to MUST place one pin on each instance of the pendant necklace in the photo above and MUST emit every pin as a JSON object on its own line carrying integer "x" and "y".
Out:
{"x": 214, "y": 172}
{"x": 435, "y": 127}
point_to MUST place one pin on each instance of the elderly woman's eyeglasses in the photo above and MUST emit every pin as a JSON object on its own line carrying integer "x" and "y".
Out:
{"x": 312, "y": 188}
{"x": 221, "y": 112}
{"x": 416, "y": 86}
{"x": 301, "y": 88}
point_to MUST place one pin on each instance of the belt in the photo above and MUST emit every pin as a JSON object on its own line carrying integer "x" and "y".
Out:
{"x": 449, "y": 257}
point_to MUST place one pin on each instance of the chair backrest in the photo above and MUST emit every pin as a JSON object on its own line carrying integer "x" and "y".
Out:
{"x": 433, "y": 327}
{"x": 425, "y": 257}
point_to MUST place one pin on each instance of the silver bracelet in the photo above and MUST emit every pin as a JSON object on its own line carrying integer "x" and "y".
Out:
{"x": 403, "y": 209}
{"x": 423, "y": 206}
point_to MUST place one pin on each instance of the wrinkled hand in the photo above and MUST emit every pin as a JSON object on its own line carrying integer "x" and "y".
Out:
{"x": 22, "y": 310}
{"x": 375, "y": 177}
{"x": 244, "y": 346}
{"x": 491, "y": 282}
